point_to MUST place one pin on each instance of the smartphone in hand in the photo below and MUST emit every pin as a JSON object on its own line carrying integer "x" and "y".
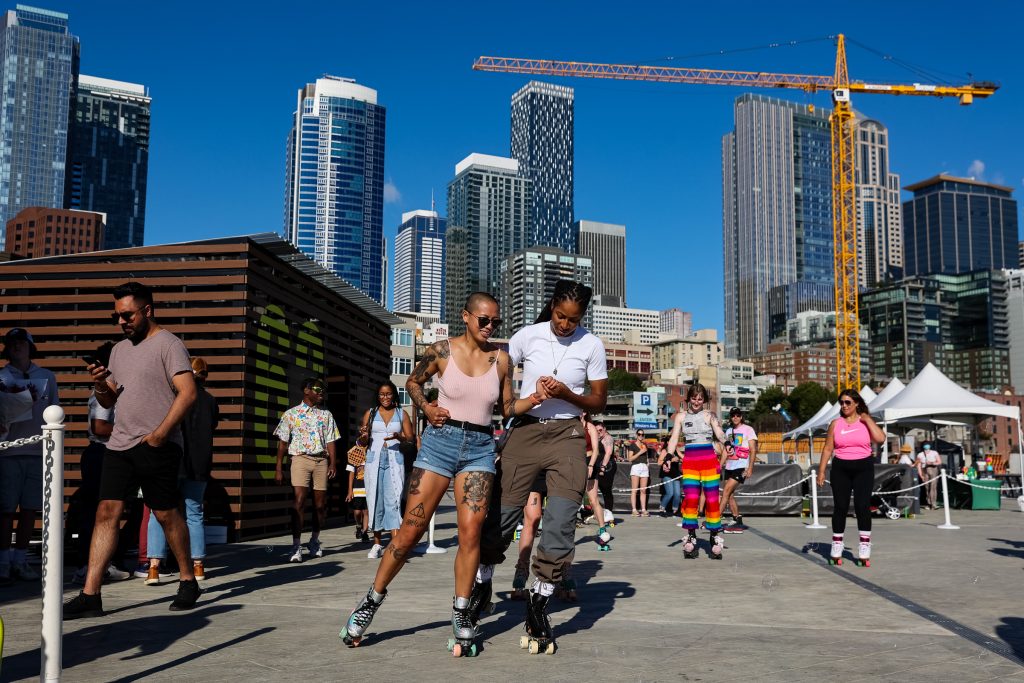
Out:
{"x": 90, "y": 360}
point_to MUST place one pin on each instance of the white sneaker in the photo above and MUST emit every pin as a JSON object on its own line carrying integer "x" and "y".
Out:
{"x": 296, "y": 555}
{"x": 25, "y": 572}
{"x": 376, "y": 551}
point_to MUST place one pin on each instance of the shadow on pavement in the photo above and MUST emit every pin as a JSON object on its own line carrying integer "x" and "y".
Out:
{"x": 133, "y": 638}
{"x": 1011, "y": 631}
{"x": 1016, "y": 548}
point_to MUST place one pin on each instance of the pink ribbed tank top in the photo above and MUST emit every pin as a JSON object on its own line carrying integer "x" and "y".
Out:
{"x": 851, "y": 441}
{"x": 470, "y": 399}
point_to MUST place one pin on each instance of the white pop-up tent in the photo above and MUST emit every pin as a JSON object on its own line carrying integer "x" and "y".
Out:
{"x": 891, "y": 389}
{"x": 825, "y": 420}
{"x": 931, "y": 394}
{"x": 807, "y": 428}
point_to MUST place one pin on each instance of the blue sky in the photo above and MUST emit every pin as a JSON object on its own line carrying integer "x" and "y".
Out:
{"x": 224, "y": 77}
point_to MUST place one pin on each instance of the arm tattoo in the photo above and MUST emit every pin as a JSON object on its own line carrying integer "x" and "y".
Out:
{"x": 414, "y": 480}
{"x": 443, "y": 350}
{"x": 510, "y": 404}
{"x": 476, "y": 490}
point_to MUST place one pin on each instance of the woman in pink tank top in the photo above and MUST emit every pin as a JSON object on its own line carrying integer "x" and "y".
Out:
{"x": 850, "y": 439}
{"x": 458, "y": 443}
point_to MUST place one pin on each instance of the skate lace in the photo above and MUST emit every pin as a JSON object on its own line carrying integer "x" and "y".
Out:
{"x": 462, "y": 618}
{"x": 364, "y": 613}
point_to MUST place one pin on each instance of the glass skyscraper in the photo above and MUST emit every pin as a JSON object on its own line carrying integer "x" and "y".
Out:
{"x": 956, "y": 225}
{"x": 879, "y": 223}
{"x": 40, "y": 65}
{"x": 419, "y": 263}
{"x": 108, "y": 157}
{"x": 542, "y": 143}
{"x": 334, "y": 193}
{"x": 777, "y": 211}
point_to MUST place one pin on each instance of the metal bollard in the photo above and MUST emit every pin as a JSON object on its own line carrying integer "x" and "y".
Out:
{"x": 945, "y": 501}
{"x": 815, "y": 524}
{"x": 53, "y": 544}
{"x": 431, "y": 548}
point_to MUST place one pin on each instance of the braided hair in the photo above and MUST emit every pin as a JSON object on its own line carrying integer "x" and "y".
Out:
{"x": 566, "y": 290}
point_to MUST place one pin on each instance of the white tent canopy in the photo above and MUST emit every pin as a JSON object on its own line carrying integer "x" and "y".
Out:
{"x": 806, "y": 428}
{"x": 931, "y": 394}
{"x": 825, "y": 420}
{"x": 890, "y": 391}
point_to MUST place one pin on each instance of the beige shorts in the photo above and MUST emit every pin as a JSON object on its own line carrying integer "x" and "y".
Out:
{"x": 307, "y": 467}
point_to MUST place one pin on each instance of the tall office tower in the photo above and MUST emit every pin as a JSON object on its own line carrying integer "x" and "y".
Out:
{"x": 542, "y": 143}
{"x": 419, "y": 263}
{"x": 334, "y": 192}
{"x": 675, "y": 324}
{"x": 605, "y": 245}
{"x": 1020, "y": 255}
{"x": 108, "y": 157}
{"x": 40, "y": 65}
{"x": 528, "y": 282}
{"x": 777, "y": 211}
{"x": 879, "y": 218}
{"x": 955, "y": 225}
{"x": 1015, "y": 318}
{"x": 490, "y": 200}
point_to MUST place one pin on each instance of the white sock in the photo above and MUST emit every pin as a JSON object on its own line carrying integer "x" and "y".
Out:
{"x": 543, "y": 588}
{"x": 484, "y": 573}
{"x": 865, "y": 536}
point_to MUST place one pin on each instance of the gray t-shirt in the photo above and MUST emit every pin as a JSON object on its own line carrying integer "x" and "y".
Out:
{"x": 146, "y": 372}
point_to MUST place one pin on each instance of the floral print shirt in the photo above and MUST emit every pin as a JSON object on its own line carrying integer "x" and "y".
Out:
{"x": 307, "y": 430}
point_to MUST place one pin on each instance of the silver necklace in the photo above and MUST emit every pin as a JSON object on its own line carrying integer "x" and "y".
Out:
{"x": 559, "y": 362}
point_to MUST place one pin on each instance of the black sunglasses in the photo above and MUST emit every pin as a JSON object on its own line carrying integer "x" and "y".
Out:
{"x": 126, "y": 316}
{"x": 847, "y": 403}
{"x": 483, "y": 321}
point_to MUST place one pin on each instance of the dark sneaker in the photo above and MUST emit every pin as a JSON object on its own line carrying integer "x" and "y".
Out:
{"x": 188, "y": 594}
{"x": 735, "y": 528}
{"x": 83, "y": 606}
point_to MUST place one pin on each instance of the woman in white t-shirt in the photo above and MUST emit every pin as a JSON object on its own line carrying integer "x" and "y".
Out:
{"x": 560, "y": 358}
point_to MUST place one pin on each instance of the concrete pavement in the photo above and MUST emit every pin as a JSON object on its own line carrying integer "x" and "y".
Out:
{"x": 935, "y": 605}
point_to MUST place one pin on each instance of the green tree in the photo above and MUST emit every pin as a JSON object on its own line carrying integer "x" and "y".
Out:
{"x": 619, "y": 380}
{"x": 761, "y": 416}
{"x": 806, "y": 399}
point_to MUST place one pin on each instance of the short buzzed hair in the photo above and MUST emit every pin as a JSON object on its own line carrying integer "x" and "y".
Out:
{"x": 479, "y": 297}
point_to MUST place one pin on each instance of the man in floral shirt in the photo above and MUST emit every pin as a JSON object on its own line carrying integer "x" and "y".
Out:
{"x": 308, "y": 433}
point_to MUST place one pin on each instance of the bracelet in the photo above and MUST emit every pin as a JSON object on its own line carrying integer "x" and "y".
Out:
{"x": 106, "y": 390}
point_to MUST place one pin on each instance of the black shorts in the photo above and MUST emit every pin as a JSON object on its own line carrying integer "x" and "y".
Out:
{"x": 734, "y": 474}
{"x": 357, "y": 503}
{"x": 153, "y": 469}
{"x": 540, "y": 485}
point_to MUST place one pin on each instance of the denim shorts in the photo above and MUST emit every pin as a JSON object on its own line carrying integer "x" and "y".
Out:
{"x": 449, "y": 451}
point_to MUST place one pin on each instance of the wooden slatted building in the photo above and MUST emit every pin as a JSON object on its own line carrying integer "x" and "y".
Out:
{"x": 263, "y": 315}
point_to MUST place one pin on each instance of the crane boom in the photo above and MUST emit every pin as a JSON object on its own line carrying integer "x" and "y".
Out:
{"x": 844, "y": 207}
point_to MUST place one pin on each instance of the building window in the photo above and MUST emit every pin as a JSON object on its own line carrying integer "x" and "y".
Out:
{"x": 401, "y": 366}
{"x": 403, "y": 396}
{"x": 401, "y": 337}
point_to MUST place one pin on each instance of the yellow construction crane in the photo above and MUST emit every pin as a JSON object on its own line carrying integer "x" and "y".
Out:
{"x": 844, "y": 208}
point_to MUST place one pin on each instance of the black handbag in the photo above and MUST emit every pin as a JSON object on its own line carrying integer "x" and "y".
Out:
{"x": 510, "y": 423}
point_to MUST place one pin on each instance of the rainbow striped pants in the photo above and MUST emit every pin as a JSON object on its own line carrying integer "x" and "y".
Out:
{"x": 700, "y": 473}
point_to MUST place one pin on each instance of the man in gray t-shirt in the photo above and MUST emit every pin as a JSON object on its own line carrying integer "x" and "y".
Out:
{"x": 150, "y": 379}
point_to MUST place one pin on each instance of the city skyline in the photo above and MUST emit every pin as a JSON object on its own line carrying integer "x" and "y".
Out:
{"x": 662, "y": 179}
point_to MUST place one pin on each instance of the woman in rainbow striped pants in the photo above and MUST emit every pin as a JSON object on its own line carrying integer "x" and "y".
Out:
{"x": 703, "y": 436}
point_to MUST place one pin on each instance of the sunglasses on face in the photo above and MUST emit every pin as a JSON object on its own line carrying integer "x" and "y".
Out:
{"x": 847, "y": 403}
{"x": 126, "y": 316}
{"x": 483, "y": 321}
{"x": 318, "y": 389}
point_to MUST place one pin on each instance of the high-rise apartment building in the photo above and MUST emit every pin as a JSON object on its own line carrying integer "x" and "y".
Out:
{"x": 675, "y": 324}
{"x": 108, "y": 157}
{"x": 334, "y": 191}
{"x": 528, "y": 282}
{"x": 788, "y": 301}
{"x": 1015, "y": 317}
{"x": 542, "y": 143}
{"x": 40, "y": 65}
{"x": 879, "y": 216}
{"x": 777, "y": 212}
{"x": 605, "y": 245}
{"x": 488, "y": 220}
{"x": 40, "y": 231}
{"x": 1020, "y": 254}
{"x": 956, "y": 225}
{"x": 419, "y": 263}
{"x": 629, "y": 325}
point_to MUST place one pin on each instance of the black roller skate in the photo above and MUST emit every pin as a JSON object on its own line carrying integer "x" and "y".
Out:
{"x": 690, "y": 545}
{"x": 717, "y": 546}
{"x": 353, "y": 630}
{"x": 538, "y": 627}
{"x": 463, "y": 642}
{"x": 480, "y": 601}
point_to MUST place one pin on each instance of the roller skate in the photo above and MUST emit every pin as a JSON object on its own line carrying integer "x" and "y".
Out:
{"x": 864, "y": 554}
{"x": 353, "y": 630}
{"x": 464, "y": 631}
{"x": 609, "y": 518}
{"x": 518, "y": 533}
{"x": 836, "y": 555}
{"x": 717, "y": 546}
{"x": 480, "y": 600}
{"x": 538, "y": 627}
{"x": 519, "y": 583}
{"x": 690, "y": 546}
{"x": 603, "y": 539}
{"x": 567, "y": 590}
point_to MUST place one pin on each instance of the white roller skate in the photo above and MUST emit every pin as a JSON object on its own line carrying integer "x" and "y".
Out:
{"x": 864, "y": 554}
{"x": 836, "y": 555}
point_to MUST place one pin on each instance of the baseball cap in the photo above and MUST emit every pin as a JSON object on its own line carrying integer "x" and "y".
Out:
{"x": 15, "y": 334}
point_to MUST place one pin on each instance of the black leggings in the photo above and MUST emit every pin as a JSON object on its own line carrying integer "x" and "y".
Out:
{"x": 605, "y": 483}
{"x": 858, "y": 476}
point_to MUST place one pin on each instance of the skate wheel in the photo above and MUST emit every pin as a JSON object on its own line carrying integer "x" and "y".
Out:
{"x": 524, "y": 642}
{"x": 550, "y": 649}
{"x": 863, "y": 563}
{"x": 451, "y": 645}
{"x": 534, "y": 647}
{"x": 472, "y": 651}
{"x": 456, "y": 650}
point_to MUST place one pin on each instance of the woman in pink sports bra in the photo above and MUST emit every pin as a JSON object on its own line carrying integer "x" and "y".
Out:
{"x": 471, "y": 375}
{"x": 850, "y": 438}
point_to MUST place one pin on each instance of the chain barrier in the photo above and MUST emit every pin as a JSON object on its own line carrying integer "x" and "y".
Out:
{"x": 1002, "y": 487}
{"x": 17, "y": 443}
{"x": 49, "y": 447}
